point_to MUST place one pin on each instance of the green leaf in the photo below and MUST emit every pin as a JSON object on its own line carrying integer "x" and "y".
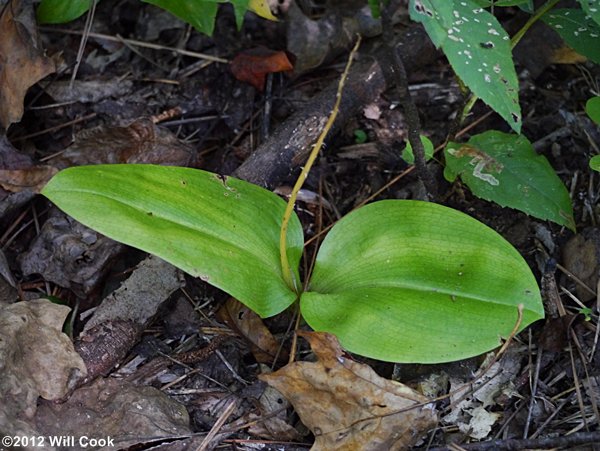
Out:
{"x": 60, "y": 11}
{"x": 488, "y": 3}
{"x": 595, "y": 163}
{"x": 375, "y": 9}
{"x": 505, "y": 168}
{"x": 578, "y": 30}
{"x": 592, "y": 108}
{"x": 408, "y": 155}
{"x": 360, "y": 136}
{"x": 592, "y": 9}
{"x": 223, "y": 230}
{"x": 239, "y": 8}
{"x": 478, "y": 49}
{"x": 200, "y": 14}
{"x": 411, "y": 281}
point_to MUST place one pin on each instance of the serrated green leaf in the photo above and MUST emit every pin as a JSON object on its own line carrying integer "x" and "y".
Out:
{"x": 592, "y": 108}
{"x": 578, "y": 30}
{"x": 595, "y": 163}
{"x": 592, "y": 9}
{"x": 408, "y": 155}
{"x": 61, "y": 11}
{"x": 478, "y": 48}
{"x": 505, "y": 169}
{"x": 200, "y": 14}
{"x": 223, "y": 230}
{"x": 410, "y": 281}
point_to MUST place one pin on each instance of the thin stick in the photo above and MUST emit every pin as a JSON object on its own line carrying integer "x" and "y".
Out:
{"x": 204, "y": 56}
{"x": 218, "y": 425}
{"x": 285, "y": 266}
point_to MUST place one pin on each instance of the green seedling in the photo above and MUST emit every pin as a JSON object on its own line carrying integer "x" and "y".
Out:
{"x": 360, "y": 136}
{"x": 408, "y": 155}
{"x": 395, "y": 280}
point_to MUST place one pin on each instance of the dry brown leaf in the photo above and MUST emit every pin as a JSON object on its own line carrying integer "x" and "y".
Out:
{"x": 581, "y": 256}
{"x": 114, "y": 408}
{"x": 11, "y": 158}
{"x": 22, "y": 62}
{"x": 36, "y": 359}
{"x": 347, "y": 405}
{"x": 240, "y": 318}
{"x": 139, "y": 142}
{"x": 69, "y": 254}
{"x": 252, "y": 66}
{"x": 33, "y": 178}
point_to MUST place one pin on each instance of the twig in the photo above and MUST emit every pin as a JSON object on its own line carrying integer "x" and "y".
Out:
{"x": 410, "y": 109}
{"x": 218, "y": 425}
{"x": 89, "y": 20}
{"x": 106, "y": 37}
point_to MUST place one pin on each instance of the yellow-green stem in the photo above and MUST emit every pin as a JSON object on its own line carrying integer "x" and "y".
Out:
{"x": 285, "y": 265}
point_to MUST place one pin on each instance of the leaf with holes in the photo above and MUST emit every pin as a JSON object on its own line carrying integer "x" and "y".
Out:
{"x": 411, "y": 281}
{"x": 223, "y": 230}
{"x": 592, "y": 9}
{"x": 478, "y": 48}
{"x": 578, "y": 30}
{"x": 505, "y": 169}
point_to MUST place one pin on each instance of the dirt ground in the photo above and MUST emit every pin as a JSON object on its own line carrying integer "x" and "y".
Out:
{"x": 190, "y": 357}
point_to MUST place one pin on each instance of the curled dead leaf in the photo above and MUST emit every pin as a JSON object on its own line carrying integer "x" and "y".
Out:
{"x": 22, "y": 61}
{"x": 36, "y": 359}
{"x": 248, "y": 324}
{"x": 33, "y": 178}
{"x": 139, "y": 142}
{"x": 347, "y": 405}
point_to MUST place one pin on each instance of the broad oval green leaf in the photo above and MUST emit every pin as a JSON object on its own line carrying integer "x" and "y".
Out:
{"x": 478, "y": 48}
{"x": 595, "y": 163}
{"x": 577, "y": 29}
{"x": 505, "y": 169}
{"x": 221, "y": 229}
{"x": 411, "y": 281}
{"x": 61, "y": 11}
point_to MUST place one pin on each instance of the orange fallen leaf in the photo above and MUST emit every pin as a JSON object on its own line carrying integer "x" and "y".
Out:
{"x": 253, "y": 65}
{"x": 22, "y": 62}
{"x": 347, "y": 406}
